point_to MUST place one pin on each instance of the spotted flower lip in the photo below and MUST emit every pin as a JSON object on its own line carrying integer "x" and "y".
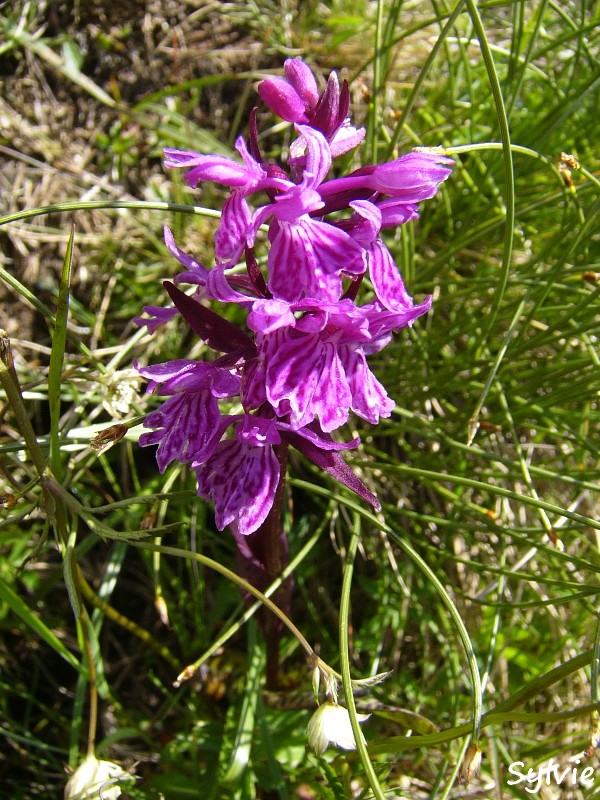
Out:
{"x": 239, "y": 474}
{"x": 188, "y": 425}
{"x": 242, "y": 473}
{"x": 308, "y": 256}
{"x": 241, "y": 477}
{"x": 312, "y": 358}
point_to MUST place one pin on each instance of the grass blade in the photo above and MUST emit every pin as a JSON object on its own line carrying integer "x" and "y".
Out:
{"x": 19, "y": 607}
{"x": 59, "y": 340}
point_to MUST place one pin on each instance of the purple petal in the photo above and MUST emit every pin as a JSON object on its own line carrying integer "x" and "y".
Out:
{"x": 300, "y": 199}
{"x": 292, "y": 368}
{"x": 301, "y": 77}
{"x": 396, "y": 212}
{"x": 345, "y": 322}
{"x": 234, "y": 229}
{"x": 159, "y": 373}
{"x": 258, "y": 431}
{"x": 219, "y": 288}
{"x": 318, "y": 437}
{"x": 369, "y": 399}
{"x": 386, "y": 279}
{"x": 332, "y": 396}
{"x": 189, "y": 428}
{"x": 196, "y": 272}
{"x": 185, "y": 375}
{"x": 282, "y": 99}
{"x": 305, "y": 378}
{"x": 218, "y": 169}
{"x": 269, "y": 315}
{"x": 335, "y": 250}
{"x": 382, "y": 322}
{"x": 365, "y": 223}
{"x": 411, "y": 178}
{"x": 308, "y": 259}
{"x": 318, "y": 154}
{"x": 158, "y": 316}
{"x": 241, "y": 481}
{"x": 345, "y": 139}
{"x": 260, "y": 175}
{"x": 415, "y": 176}
{"x": 293, "y": 269}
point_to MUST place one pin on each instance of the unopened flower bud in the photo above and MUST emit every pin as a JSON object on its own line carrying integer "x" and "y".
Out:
{"x": 330, "y": 724}
{"x": 95, "y": 780}
{"x": 471, "y": 764}
{"x": 316, "y": 681}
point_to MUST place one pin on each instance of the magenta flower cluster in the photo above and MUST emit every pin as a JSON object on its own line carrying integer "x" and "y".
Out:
{"x": 299, "y": 367}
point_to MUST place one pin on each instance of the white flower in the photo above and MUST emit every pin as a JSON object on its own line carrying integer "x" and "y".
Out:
{"x": 330, "y": 724}
{"x": 95, "y": 780}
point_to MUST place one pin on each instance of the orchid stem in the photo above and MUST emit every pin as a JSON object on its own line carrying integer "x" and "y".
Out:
{"x": 275, "y": 550}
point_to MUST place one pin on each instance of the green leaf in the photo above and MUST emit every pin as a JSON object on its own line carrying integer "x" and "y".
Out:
{"x": 72, "y": 56}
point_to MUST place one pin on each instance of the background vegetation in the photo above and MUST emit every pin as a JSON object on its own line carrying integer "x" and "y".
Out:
{"x": 478, "y": 585}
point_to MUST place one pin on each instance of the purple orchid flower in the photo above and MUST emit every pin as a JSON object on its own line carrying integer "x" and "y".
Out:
{"x": 299, "y": 367}
{"x": 242, "y": 474}
{"x": 157, "y": 316}
{"x": 250, "y": 176}
{"x": 308, "y": 256}
{"x": 190, "y": 425}
{"x": 364, "y": 225}
{"x": 409, "y": 179}
{"x": 188, "y": 422}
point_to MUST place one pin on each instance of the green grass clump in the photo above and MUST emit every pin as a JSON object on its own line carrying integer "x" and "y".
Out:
{"x": 477, "y": 586}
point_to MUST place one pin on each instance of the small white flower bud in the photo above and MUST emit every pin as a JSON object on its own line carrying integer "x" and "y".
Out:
{"x": 95, "y": 780}
{"x": 330, "y": 724}
{"x": 316, "y": 681}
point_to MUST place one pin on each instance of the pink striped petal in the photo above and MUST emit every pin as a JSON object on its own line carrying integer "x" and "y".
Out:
{"x": 189, "y": 430}
{"x": 241, "y": 481}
